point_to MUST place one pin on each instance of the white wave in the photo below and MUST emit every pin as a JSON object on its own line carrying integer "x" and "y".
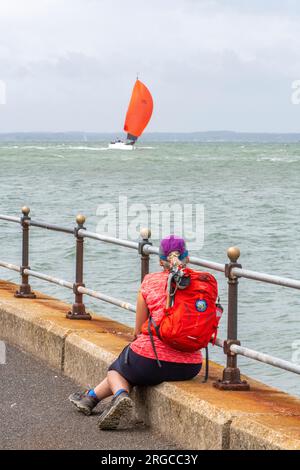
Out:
{"x": 35, "y": 147}
{"x": 22, "y": 147}
{"x": 278, "y": 159}
{"x": 58, "y": 155}
{"x": 53, "y": 147}
{"x": 82, "y": 147}
{"x": 144, "y": 147}
{"x": 5, "y": 147}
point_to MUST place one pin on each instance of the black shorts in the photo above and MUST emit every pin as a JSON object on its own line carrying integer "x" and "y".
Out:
{"x": 140, "y": 370}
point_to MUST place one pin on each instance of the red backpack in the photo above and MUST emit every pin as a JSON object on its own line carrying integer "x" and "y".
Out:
{"x": 192, "y": 319}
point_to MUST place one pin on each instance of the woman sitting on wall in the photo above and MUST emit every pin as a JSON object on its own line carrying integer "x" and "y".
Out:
{"x": 138, "y": 362}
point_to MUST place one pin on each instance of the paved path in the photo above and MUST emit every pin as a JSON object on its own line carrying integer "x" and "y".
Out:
{"x": 35, "y": 413}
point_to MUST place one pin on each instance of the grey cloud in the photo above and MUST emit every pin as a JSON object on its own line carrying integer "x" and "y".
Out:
{"x": 210, "y": 64}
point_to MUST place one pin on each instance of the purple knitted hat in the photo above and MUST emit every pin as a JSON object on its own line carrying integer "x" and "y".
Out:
{"x": 172, "y": 243}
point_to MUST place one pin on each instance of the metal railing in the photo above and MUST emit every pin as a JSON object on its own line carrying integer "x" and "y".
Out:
{"x": 231, "y": 379}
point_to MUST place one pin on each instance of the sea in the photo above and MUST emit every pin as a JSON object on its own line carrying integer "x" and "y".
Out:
{"x": 247, "y": 194}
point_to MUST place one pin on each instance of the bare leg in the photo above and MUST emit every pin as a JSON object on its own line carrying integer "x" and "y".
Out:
{"x": 111, "y": 384}
{"x": 103, "y": 390}
{"x": 121, "y": 405}
{"x": 116, "y": 381}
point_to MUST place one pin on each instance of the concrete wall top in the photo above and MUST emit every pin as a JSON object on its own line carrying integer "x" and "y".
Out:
{"x": 263, "y": 418}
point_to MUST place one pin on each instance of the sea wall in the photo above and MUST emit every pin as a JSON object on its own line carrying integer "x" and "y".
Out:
{"x": 193, "y": 414}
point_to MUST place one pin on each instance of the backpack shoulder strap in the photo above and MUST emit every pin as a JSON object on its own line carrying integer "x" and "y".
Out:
{"x": 152, "y": 322}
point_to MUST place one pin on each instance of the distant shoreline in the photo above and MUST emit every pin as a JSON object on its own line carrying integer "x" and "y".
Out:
{"x": 188, "y": 137}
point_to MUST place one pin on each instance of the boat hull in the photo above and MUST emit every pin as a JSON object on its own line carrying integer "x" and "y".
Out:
{"x": 120, "y": 146}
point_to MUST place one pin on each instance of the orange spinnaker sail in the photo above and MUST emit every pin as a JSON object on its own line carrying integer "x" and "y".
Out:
{"x": 139, "y": 110}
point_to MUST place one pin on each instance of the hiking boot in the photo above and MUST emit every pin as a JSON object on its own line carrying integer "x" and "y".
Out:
{"x": 118, "y": 407}
{"x": 83, "y": 402}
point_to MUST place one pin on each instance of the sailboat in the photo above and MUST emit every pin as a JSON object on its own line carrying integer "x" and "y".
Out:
{"x": 137, "y": 117}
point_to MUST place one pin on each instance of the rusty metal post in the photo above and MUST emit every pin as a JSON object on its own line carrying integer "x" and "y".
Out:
{"x": 231, "y": 379}
{"x": 25, "y": 289}
{"x": 145, "y": 259}
{"x": 78, "y": 308}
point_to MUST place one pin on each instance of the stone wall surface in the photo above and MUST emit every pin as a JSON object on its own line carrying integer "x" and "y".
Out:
{"x": 193, "y": 414}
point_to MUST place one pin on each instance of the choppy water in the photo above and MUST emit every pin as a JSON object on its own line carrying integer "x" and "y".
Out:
{"x": 251, "y": 197}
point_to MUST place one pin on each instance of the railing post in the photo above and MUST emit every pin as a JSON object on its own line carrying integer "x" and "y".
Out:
{"x": 25, "y": 289}
{"x": 145, "y": 235}
{"x": 231, "y": 379}
{"x": 78, "y": 308}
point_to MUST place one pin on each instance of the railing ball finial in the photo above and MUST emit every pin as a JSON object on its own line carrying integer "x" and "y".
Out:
{"x": 233, "y": 253}
{"x": 145, "y": 233}
{"x": 80, "y": 219}
{"x": 25, "y": 210}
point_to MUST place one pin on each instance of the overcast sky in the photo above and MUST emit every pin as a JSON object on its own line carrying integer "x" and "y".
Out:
{"x": 210, "y": 64}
